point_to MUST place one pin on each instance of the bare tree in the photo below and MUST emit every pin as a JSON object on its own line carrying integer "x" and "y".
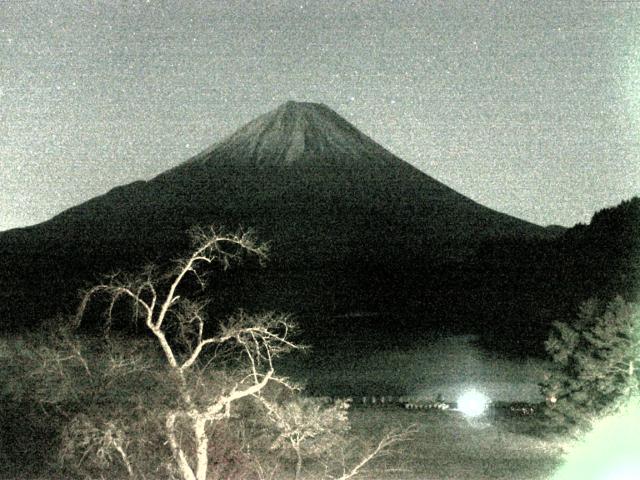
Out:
{"x": 161, "y": 406}
{"x": 389, "y": 440}
{"x": 308, "y": 427}
{"x": 311, "y": 428}
{"x": 179, "y": 327}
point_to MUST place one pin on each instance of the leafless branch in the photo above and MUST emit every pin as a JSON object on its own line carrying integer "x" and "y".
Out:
{"x": 174, "y": 320}
{"x": 390, "y": 439}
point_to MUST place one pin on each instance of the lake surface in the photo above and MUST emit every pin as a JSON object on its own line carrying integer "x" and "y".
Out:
{"x": 446, "y": 365}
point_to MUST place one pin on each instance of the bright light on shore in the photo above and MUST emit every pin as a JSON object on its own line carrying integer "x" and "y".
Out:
{"x": 473, "y": 403}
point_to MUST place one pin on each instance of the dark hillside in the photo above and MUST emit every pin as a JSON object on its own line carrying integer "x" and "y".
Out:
{"x": 533, "y": 283}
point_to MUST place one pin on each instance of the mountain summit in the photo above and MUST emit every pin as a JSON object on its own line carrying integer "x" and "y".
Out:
{"x": 297, "y": 133}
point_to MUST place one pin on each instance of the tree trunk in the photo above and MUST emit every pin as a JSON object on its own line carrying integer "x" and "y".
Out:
{"x": 183, "y": 465}
{"x": 202, "y": 448}
{"x": 298, "y": 464}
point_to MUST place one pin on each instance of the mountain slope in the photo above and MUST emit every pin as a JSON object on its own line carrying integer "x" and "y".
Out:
{"x": 328, "y": 198}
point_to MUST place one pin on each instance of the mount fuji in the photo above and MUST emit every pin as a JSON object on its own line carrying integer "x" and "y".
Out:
{"x": 352, "y": 227}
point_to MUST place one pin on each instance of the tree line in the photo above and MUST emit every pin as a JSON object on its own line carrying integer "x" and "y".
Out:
{"x": 532, "y": 284}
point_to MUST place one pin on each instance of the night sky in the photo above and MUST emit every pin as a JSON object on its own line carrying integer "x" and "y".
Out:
{"x": 529, "y": 107}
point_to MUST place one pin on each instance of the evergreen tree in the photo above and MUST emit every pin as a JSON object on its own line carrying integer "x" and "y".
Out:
{"x": 595, "y": 363}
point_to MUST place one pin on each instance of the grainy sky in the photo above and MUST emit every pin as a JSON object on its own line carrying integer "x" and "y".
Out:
{"x": 529, "y": 107}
